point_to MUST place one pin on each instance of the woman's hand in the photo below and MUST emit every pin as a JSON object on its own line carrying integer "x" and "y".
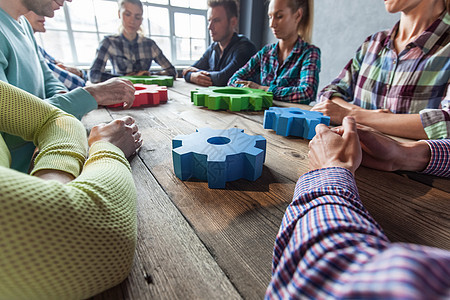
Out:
{"x": 252, "y": 85}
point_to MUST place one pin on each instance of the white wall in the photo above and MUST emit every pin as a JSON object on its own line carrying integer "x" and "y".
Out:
{"x": 340, "y": 26}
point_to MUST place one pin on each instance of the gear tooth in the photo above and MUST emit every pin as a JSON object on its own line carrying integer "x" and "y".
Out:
{"x": 153, "y": 79}
{"x": 219, "y": 156}
{"x": 293, "y": 121}
{"x": 232, "y": 98}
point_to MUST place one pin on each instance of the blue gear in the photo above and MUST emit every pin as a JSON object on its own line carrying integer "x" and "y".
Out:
{"x": 218, "y": 156}
{"x": 292, "y": 121}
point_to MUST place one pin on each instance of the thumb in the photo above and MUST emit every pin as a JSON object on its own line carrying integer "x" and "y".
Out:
{"x": 349, "y": 125}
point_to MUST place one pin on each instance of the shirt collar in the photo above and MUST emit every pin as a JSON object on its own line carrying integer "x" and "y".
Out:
{"x": 428, "y": 38}
{"x": 298, "y": 47}
{"x": 234, "y": 40}
{"x": 136, "y": 39}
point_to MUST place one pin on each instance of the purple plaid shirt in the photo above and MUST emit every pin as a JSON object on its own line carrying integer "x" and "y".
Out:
{"x": 329, "y": 246}
{"x": 414, "y": 81}
{"x": 295, "y": 80}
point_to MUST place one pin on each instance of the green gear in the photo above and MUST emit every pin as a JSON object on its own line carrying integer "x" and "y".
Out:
{"x": 153, "y": 79}
{"x": 232, "y": 98}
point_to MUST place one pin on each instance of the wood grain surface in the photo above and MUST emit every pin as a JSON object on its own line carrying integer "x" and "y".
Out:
{"x": 201, "y": 243}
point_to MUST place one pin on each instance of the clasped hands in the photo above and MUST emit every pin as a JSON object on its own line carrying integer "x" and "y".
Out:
{"x": 351, "y": 145}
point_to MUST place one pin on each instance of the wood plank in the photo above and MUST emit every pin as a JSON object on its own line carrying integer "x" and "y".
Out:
{"x": 443, "y": 184}
{"x": 238, "y": 225}
{"x": 170, "y": 260}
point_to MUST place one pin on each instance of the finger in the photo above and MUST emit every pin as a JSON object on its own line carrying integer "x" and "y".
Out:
{"x": 349, "y": 125}
{"x": 137, "y": 136}
{"x": 321, "y": 128}
{"x": 138, "y": 143}
{"x": 127, "y": 82}
{"x": 338, "y": 130}
{"x": 134, "y": 128}
{"x": 128, "y": 120}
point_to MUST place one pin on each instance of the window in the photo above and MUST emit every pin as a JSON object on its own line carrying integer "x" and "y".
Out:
{"x": 177, "y": 26}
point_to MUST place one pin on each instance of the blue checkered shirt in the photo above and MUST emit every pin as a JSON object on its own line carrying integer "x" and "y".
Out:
{"x": 70, "y": 80}
{"x": 126, "y": 57}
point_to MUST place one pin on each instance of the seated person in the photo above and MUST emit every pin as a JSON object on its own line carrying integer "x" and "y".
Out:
{"x": 289, "y": 68}
{"x": 398, "y": 81}
{"x": 73, "y": 236}
{"x": 229, "y": 50}
{"x": 22, "y": 66}
{"x": 130, "y": 52}
{"x": 329, "y": 246}
{"x": 71, "y": 77}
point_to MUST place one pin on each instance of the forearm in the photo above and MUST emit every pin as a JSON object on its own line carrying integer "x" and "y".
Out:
{"x": 326, "y": 209}
{"x": 91, "y": 220}
{"x": 77, "y": 102}
{"x": 303, "y": 94}
{"x": 401, "y": 125}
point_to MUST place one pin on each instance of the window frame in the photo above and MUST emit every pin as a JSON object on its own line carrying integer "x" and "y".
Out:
{"x": 172, "y": 38}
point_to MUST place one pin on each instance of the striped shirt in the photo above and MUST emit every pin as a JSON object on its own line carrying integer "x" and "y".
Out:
{"x": 70, "y": 80}
{"x": 126, "y": 57}
{"x": 330, "y": 247}
{"x": 295, "y": 80}
{"x": 414, "y": 81}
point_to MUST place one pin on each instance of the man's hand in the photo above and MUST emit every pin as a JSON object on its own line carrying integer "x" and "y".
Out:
{"x": 201, "y": 78}
{"x": 139, "y": 73}
{"x": 252, "y": 85}
{"x": 113, "y": 91}
{"x": 383, "y": 153}
{"x": 189, "y": 69}
{"x": 123, "y": 133}
{"x": 330, "y": 149}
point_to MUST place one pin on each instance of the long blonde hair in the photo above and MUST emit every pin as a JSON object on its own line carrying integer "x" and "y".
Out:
{"x": 305, "y": 27}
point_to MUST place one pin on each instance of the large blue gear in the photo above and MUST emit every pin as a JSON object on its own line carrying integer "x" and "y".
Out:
{"x": 218, "y": 156}
{"x": 293, "y": 121}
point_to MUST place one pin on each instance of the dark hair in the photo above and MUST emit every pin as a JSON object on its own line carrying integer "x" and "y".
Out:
{"x": 230, "y": 6}
{"x": 135, "y": 2}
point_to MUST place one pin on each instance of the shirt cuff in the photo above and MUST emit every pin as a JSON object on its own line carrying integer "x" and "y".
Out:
{"x": 436, "y": 123}
{"x": 103, "y": 149}
{"x": 326, "y": 179}
{"x": 439, "y": 164}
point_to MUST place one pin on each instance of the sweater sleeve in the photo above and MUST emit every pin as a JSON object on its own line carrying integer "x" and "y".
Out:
{"x": 77, "y": 102}
{"x": 63, "y": 241}
{"x": 60, "y": 137}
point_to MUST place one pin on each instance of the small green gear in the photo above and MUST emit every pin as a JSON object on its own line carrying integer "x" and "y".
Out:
{"x": 153, "y": 79}
{"x": 232, "y": 98}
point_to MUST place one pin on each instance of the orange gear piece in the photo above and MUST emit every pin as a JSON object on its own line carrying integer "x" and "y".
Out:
{"x": 147, "y": 95}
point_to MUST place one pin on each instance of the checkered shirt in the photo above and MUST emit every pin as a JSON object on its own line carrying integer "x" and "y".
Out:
{"x": 329, "y": 246}
{"x": 414, "y": 81}
{"x": 70, "y": 80}
{"x": 295, "y": 80}
{"x": 126, "y": 57}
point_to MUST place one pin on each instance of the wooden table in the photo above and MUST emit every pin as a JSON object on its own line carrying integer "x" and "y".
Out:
{"x": 199, "y": 243}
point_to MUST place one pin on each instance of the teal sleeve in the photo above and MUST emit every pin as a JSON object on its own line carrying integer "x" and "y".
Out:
{"x": 51, "y": 83}
{"x": 77, "y": 102}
